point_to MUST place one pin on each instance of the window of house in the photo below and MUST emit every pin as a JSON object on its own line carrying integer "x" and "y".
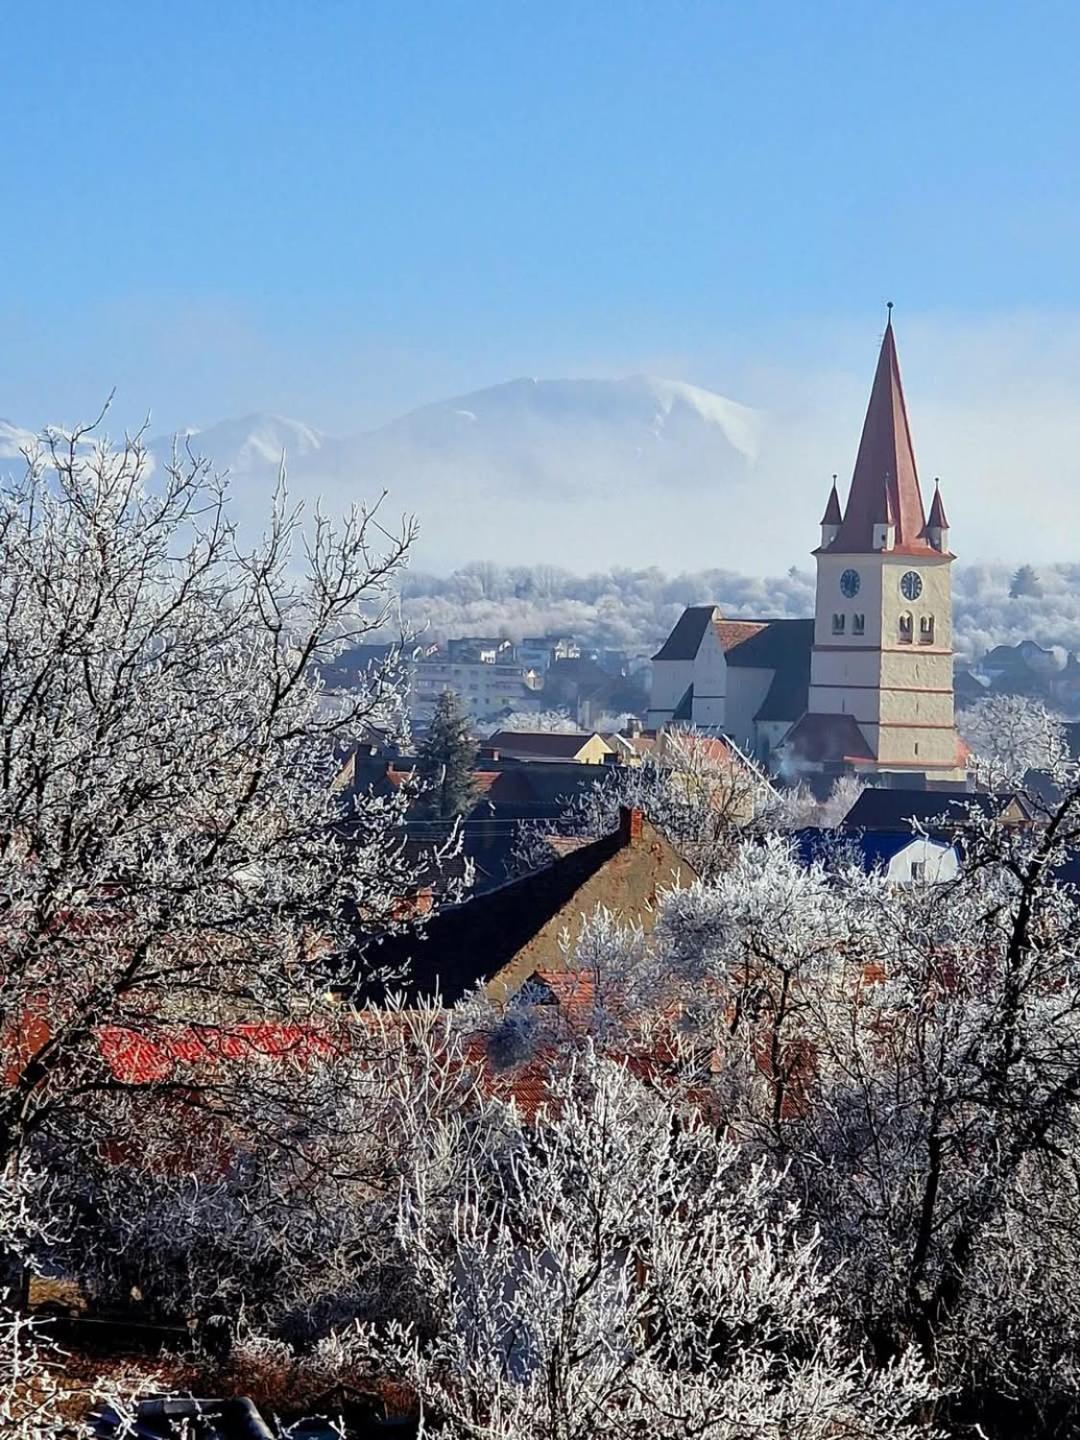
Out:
{"x": 918, "y": 870}
{"x": 906, "y": 627}
{"x": 858, "y": 624}
{"x": 838, "y": 624}
{"x": 926, "y": 630}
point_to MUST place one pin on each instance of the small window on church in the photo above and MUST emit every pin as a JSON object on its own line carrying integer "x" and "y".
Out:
{"x": 926, "y": 630}
{"x": 838, "y": 624}
{"x": 858, "y": 624}
{"x": 906, "y": 628}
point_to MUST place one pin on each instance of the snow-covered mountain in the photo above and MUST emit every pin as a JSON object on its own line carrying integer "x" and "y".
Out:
{"x": 528, "y": 470}
{"x": 253, "y": 442}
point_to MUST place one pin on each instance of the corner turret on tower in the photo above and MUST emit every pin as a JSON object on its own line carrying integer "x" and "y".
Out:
{"x": 937, "y": 526}
{"x": 832, "y": 519}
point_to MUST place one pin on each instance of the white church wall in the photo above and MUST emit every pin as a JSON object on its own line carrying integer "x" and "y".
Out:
{"x": 746, "y": 690}
{"x": 711, "y": 678}
{"x": 670, "y": 679}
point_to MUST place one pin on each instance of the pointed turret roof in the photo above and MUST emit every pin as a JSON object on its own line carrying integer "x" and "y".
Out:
{"x": 886, "y": 460}
{"x": 937, "y": 510}
{"x": 833, "y": 515}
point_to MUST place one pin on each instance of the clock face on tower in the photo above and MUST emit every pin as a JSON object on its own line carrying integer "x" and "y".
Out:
{"x": 849, "y": 583}
{"x": 911, "y": 585}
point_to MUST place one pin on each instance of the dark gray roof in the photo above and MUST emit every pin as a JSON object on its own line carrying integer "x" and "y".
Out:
{"x": 685, "y": 708}
{"x": 685, "y": 640}
{"x": 789, "y": 692}
{"x": 827, "y": 739}
{"x": 563, "y": 744}
{"x": 779, "y": 644}
{"x": 894, "y": 810}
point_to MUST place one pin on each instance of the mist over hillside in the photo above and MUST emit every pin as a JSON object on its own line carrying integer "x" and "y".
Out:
{"x": 520, "y": 469}
{"x": 636, "y": 609}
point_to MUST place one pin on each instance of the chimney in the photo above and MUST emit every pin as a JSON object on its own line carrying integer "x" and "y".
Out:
{"x": 630, "y": 825}
{"x": 633, "y": 726}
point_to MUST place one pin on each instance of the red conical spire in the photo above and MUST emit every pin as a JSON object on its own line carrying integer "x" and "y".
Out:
{"x": 937, "y": 510}
{"x": 886, "y": 458}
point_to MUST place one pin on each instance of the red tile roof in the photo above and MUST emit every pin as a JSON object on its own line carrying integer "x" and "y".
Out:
{"x": 733, "y": 632}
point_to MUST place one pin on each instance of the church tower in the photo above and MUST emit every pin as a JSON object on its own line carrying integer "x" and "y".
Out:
{"x": 881, "y": 684}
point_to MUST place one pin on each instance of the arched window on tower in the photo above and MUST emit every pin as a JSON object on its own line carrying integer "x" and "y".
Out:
{"x": 926, "y": 630}
{"x": 906, "y": 628}
{"x": 838, "y": 624}
{"x": 858, "y": 624}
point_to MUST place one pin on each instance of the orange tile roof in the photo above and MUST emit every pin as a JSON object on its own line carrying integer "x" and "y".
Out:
{"x": 733, "y": 632}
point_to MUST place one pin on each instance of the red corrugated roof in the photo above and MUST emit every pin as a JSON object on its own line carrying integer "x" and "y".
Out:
{"x": 141, "y": 1058}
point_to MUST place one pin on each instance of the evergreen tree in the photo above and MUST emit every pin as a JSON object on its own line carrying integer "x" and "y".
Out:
{"x": 1025, "y": 582}
{"x": 446, "y": 759}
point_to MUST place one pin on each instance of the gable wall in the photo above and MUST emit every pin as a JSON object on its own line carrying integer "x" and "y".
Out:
{"x": 669, "y": 681}
{"x": 710, "y": 683}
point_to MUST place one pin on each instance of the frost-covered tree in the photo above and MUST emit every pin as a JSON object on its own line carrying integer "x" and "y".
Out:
{"x": 617, "y": 1268}
{"x": 555, "y": 721}
{"x": 696, "y": 789}
{"x": 1010, "y": 735}
{"x": 910, "y": 1059}
{"x": 171, "y": 853}
{"x": 288, "y": 1225}
{"x": 1024, "y": 582}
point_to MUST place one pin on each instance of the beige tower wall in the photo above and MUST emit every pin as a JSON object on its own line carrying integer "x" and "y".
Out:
{"x": 900, "y": 691}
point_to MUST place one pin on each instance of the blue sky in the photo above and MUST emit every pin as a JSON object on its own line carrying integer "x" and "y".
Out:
{"x": 475, "y": 186}
{"x": 340, "y": 210}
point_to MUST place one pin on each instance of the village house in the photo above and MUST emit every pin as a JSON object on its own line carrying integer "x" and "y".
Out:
{"x": 549, "y": 747}
{"x": 498, "y": 941}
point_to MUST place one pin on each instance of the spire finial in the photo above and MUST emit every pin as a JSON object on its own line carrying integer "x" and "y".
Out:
{"x": 888, "y": 307}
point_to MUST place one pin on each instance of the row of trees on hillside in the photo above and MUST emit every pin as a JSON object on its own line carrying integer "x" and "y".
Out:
{"x": 993, "y": 604}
